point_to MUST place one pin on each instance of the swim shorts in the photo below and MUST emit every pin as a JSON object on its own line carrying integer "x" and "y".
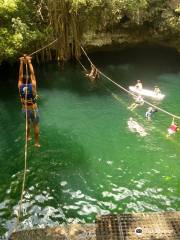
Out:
{"x": 32, "y": 114}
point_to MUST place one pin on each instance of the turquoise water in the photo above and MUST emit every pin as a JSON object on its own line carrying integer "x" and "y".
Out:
{"x": 89, "y": 162}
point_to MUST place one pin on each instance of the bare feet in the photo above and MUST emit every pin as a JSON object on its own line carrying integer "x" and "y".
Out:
{"x": 37, "y": 145}
{"x": 29, "y": 139}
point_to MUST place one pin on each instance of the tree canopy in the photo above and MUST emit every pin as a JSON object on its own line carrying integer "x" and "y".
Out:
{"x": 31, "y": 24}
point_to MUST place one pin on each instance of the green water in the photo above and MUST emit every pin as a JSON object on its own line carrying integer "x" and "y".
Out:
{"x": 89, "y": 162}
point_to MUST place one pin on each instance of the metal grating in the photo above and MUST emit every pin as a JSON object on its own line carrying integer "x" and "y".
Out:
{"x": 144, "y": 226}
{"x": 137, "y": 226}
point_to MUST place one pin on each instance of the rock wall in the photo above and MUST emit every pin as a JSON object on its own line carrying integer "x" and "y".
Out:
{"x": 157, "y": 22}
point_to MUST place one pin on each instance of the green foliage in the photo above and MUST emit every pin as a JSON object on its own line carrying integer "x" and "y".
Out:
{"x": 20, "y": 26}
{"x": 177, "y": 10}
{"x": 100, "y": 14}
{"x": 8, "y": 6}
{"x": 26, "y": 24}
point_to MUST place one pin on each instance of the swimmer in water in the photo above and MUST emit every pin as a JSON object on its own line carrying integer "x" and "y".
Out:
{"x": 135, "y": 127}
{"x": 150, "y": 112}
{"x": 138, "y": 102}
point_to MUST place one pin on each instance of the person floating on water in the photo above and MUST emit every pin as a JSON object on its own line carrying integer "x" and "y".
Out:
{"x": 150, "y": 112}
{"x": 173, "y": 128}
{"x": 157, "y": 90}
{"x": 139, "y": 85}
{"x": 135, "y": 127}
{"x": 28, "y": 94}
{"x": 94, "y": 74}
{"x": 138, "y": 102}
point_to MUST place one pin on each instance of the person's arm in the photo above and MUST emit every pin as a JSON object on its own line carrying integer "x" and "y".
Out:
{"x": 95, "y": 73}
{"x": 92, "y": 71}
{"x": 20, "y": 80}
{"x": 32, "y": 75}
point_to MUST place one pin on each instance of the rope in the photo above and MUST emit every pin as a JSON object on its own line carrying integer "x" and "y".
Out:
{"x": 26, "y": 141}
{"x": 25, "y": 158}
{"x": 85, "y": 69}
{"x": 124, "y": 89}
{"x": 87, "y": 56}
{"x": 44, "y": 47}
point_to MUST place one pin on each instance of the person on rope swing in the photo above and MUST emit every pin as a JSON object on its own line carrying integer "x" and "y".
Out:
{"x": 173, "y": 128}
{"x": 157, "y": 90}
{"x": 94, "y": 74}
{"x": 138, "y": 102}
{"x": 28, "y": 95}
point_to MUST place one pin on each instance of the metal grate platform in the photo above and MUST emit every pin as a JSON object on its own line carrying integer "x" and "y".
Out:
{"x": 137, "y": 226}
{"x": 144, "y": 226}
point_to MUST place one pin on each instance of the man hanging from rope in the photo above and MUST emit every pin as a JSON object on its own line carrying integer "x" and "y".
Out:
{"x": 28, "y": 93}
{"x": 94, "y": 74}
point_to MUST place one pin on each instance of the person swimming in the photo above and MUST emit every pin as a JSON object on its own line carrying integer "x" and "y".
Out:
{"x": 135, "y": 127}
{"x": 138, "y": 102}
{"x": 150, "y": 112}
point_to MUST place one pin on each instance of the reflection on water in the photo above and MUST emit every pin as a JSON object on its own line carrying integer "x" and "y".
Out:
{"x": 89, "y": 162}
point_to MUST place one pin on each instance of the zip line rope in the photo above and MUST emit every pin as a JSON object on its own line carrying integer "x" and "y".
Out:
{"x": 26, "y": 142}
{"x": 124, "y": 89}
{"x": 25, "y": 156}
{"x": 85, "y": 69}
{"x": 44, "y": 47}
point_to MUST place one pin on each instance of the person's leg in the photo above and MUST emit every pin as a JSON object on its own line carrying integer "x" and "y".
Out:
{"x": 36, "y": 134}
{"x": 28, "y": 130}
{"x": 134, "y": 106}
{"x": 131, "y": 106}
{"x": 35, "y": 121}
{"x": 34, "y": 115}
{"x": 149, "y": 116}
{"x": 28, "y": 123}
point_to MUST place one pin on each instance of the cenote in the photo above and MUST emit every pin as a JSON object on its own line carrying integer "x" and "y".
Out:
{"x": 89, "y": 162}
